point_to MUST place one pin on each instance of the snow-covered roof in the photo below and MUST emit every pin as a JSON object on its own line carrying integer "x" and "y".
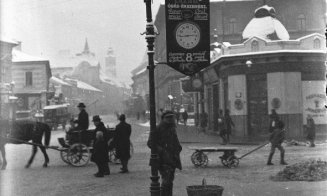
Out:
{"x": 19, "y": 56}
{"x": 59, "y": 81}
{"x": 8, "y": 40}
{"x": 49, "y": 107}
{"x": 86, "y": 86}
{"x": 83, "y": 85}
{"x": 112, "y": 81}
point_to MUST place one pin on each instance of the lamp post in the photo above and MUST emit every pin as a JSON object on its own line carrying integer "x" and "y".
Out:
{"x": 150, "y": 37}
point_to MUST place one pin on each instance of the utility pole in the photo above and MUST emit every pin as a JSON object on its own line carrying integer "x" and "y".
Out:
{"x": 150, "y": 35}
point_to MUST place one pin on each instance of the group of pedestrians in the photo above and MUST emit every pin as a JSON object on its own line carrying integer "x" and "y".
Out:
{"x": 102, "y": 144}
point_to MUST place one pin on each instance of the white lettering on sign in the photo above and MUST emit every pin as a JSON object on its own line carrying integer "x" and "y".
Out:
{"x": 314, "y": 101}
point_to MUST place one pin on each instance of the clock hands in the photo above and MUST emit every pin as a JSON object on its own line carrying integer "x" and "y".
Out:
{"x": 186, "y": 35}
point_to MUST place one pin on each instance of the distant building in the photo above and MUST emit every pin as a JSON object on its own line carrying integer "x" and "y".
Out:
{"x": 85, "y": 67}
{"x": 31, "y": 76}
{"x": 110, "y": 64}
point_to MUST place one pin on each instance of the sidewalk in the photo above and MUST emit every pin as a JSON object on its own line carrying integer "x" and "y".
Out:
{"x": 192, "y": 134}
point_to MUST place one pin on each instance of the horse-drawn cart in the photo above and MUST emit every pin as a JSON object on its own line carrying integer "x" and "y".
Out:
{"x": 76, "y": 147}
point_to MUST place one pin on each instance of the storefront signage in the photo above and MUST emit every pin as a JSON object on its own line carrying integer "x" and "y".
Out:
{"x": 188, "y": 35}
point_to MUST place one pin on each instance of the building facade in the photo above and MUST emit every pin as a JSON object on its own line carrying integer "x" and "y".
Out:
{"x": 31, "y": 77}
{"x": 228, "y": 21}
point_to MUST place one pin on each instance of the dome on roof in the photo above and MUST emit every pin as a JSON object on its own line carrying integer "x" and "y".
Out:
{"x": 265, "y": 25}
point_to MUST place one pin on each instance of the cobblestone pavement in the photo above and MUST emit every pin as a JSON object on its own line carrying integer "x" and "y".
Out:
{"x": 250, "y": 178}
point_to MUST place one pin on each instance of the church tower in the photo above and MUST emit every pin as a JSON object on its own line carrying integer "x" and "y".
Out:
{"x": 110, "y": 63}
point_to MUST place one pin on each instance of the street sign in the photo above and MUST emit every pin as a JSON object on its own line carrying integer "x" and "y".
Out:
{"x": 188, "y": 35}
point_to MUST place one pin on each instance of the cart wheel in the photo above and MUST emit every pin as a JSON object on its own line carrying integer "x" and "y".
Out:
{"x": 64, "y": 156}
{"x": 232, "y": 161}
{"x": 79, "y": 155}
{"x": 199, "y": 159}
{"x": 224, "y": 162}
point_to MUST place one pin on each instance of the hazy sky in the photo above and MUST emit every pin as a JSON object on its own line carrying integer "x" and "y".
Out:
{"x": 47, "y": 26}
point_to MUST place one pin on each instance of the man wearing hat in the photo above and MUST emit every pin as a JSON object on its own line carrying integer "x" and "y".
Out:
{"x": 169, "y": 148}
{"x": 122, "y": 142}
{"x": 83, "y": 118}
{"x": 100, "y": 148}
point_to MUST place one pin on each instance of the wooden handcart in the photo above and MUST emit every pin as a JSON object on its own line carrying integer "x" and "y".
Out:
{"x": 228, "y": 159}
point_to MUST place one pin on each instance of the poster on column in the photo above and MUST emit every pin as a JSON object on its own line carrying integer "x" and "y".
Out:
{"x": 188, "y": 35}
{"x": 314, "y": 101}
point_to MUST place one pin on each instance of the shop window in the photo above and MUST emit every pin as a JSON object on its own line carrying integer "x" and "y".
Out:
{"x": 232, "y": 26}
{"x": 301, "y": 22}
{"x": 29, "y": 78}
{"x": 255, "y": 46}
{"x": 316, "y": 44}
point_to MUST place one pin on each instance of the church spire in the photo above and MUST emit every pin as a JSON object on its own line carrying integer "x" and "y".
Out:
{"x": 86, "y": 47}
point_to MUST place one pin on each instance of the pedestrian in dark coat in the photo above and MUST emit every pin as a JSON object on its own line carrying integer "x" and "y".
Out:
{"x": 165, "y": 140}
{"x": 100, "y": 155}
{"x": 229, "y": 124}
{"x": 185, "y": 117}
{"x": 273, "y": 119}
{"x": 222, "y": 126}
{"x": 83, "y": 118}
{"x": 100, "y": 147}
{"x": 122, "y": 142}
{"x": 276, "y": 139}
{"x": 311, "y": 130}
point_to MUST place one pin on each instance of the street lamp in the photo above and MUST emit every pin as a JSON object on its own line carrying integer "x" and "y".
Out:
{"x": 150, "y": 37}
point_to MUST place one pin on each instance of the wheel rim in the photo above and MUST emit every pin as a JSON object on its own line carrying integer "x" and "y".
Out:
{"x": 199, "y": 159}
{"x": 79, "y": 155}
{"x": 64, "y": 156}
{"x": 232, "y": 161}
{"x": 224, "y": 162}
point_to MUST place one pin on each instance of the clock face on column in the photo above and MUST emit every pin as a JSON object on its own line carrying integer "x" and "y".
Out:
{"x": 187, "y": 35}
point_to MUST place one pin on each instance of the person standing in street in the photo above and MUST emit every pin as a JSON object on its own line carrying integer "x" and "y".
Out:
{"x": 273, "y": 119}
{"x": 165, "y": 140}
{"x": 185, "y": 117}
{"x": 222, "y": 126}
{"x": 100, "y": 127}
{"x": 100, "y": 155}
{"x": 311, "y": 130}
{"x": 123, "y": 143}
{"x": 229, "y": 124}
{"x": 83, "y": 118}
{"x": 276, "y": 139}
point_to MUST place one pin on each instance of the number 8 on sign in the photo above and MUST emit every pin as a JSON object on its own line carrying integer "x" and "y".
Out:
{"x": 189, "y": 57}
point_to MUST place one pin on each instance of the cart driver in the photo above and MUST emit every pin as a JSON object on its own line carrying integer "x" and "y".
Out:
{"x": 83, "y": 118}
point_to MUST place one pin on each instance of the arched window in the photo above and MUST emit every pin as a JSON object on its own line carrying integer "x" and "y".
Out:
{"x": 301, "y": 22}
{"x": 232, "y": 26}
{"x": 254, "y": 46}
{"x": 316, "y": 44}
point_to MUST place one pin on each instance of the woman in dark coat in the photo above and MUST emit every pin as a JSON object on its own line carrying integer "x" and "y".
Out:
{"x": 122, "y": 142}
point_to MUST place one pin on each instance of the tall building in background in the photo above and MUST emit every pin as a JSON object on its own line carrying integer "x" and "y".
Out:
{"x": 110, "y": 64}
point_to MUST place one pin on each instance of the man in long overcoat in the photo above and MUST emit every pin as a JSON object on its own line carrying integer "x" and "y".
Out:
{"x": 83, "y": 118}
{"x": 122, "y": 142}
{"x": 165, "y": 140}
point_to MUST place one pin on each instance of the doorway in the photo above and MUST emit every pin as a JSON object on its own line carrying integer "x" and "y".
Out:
{"x": 258, "y": 119}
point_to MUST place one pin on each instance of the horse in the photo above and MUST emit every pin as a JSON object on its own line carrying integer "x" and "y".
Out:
{"x": 20, "y": 133}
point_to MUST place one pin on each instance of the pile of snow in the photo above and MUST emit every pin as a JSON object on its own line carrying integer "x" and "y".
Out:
{"x": 312, "y": 170}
